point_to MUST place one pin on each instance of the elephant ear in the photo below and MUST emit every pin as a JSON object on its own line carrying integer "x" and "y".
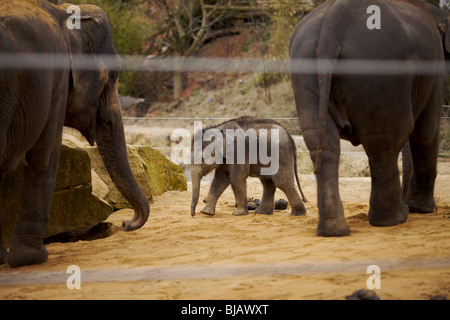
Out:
{"x": 81, "y": 43}
{"x": 87, "y": 76}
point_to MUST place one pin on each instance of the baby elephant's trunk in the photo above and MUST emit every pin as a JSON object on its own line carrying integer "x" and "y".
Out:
{"x": 195, "y": 178}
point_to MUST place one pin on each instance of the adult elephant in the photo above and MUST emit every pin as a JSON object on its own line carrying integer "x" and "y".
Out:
{"x": 36, "y": 103}
{"x": 379, "y": 111}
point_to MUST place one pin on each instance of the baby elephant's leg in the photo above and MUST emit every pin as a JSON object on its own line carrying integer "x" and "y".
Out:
{"x": 267, "y": 201}
{"x": 238, "y": 181}
{"x": 220, "y": 182}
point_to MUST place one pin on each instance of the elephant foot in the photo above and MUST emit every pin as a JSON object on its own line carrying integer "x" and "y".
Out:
{"x": 422, "y": 205}
{"x": 385, "y": 218}
{"x": 20, "y": 255}
{"x": 333, "y": 227}
{"x": 3, "y": 255}
{"x": 240, "y": 212}
{"x": 208, "y": 211}
{"x": 266, "y": 211}
{"x": 298, "y": 211}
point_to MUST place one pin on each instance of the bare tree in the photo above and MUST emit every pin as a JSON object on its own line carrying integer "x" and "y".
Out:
{"x": 184, "y": 26}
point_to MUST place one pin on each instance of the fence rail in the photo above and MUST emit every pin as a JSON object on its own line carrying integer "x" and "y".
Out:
{"x": 41, "y": 61}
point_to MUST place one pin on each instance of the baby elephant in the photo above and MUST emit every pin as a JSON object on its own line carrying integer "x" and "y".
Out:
{"x": 245, "y": 147}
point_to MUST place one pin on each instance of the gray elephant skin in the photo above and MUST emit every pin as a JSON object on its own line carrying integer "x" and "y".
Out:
{"x": 36, "y": 103}
{"x": 235, "y": 172}
{"x": 381, "y": 112}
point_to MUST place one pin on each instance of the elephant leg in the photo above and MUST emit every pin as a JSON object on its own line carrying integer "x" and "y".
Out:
{"x": 220, "y": 182}
{"x": 331, "y": 212}
{"x": 40, "y": 174}
{"x": 296, "y": 203}
{"x": 3, "y": 252}
{"x": 420, "y": 198}
{"x": 424, "y": 152}
{"x": 332, "y": 221}
{"x": 387, "y": 207}
{"x": 238, "y": 181}
{"x": 267, "y": 201}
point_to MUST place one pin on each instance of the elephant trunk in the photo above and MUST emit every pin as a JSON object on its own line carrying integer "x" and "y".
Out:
{"x": 196, "y": 178}
{"x": 112, "y": 147}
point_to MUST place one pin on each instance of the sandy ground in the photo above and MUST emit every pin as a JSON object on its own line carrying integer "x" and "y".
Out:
{"x": 175, "y": 256}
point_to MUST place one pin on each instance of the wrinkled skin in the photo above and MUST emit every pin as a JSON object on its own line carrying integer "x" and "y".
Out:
{"x": 35, "y": 104}
{"x": 380, "y": 112}
{"x": 236, "y": 174}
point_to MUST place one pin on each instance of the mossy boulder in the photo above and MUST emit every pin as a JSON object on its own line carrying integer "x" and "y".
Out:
{"x": 154, "y": 172}
{"x": 164, "y": 174}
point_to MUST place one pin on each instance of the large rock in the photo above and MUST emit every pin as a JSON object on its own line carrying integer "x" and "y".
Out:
{"x": 154, "y": 172}
{"x": 73, "y": 205}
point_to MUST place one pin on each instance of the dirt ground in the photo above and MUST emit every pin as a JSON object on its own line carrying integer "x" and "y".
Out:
{"x": 175, "y": 256}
